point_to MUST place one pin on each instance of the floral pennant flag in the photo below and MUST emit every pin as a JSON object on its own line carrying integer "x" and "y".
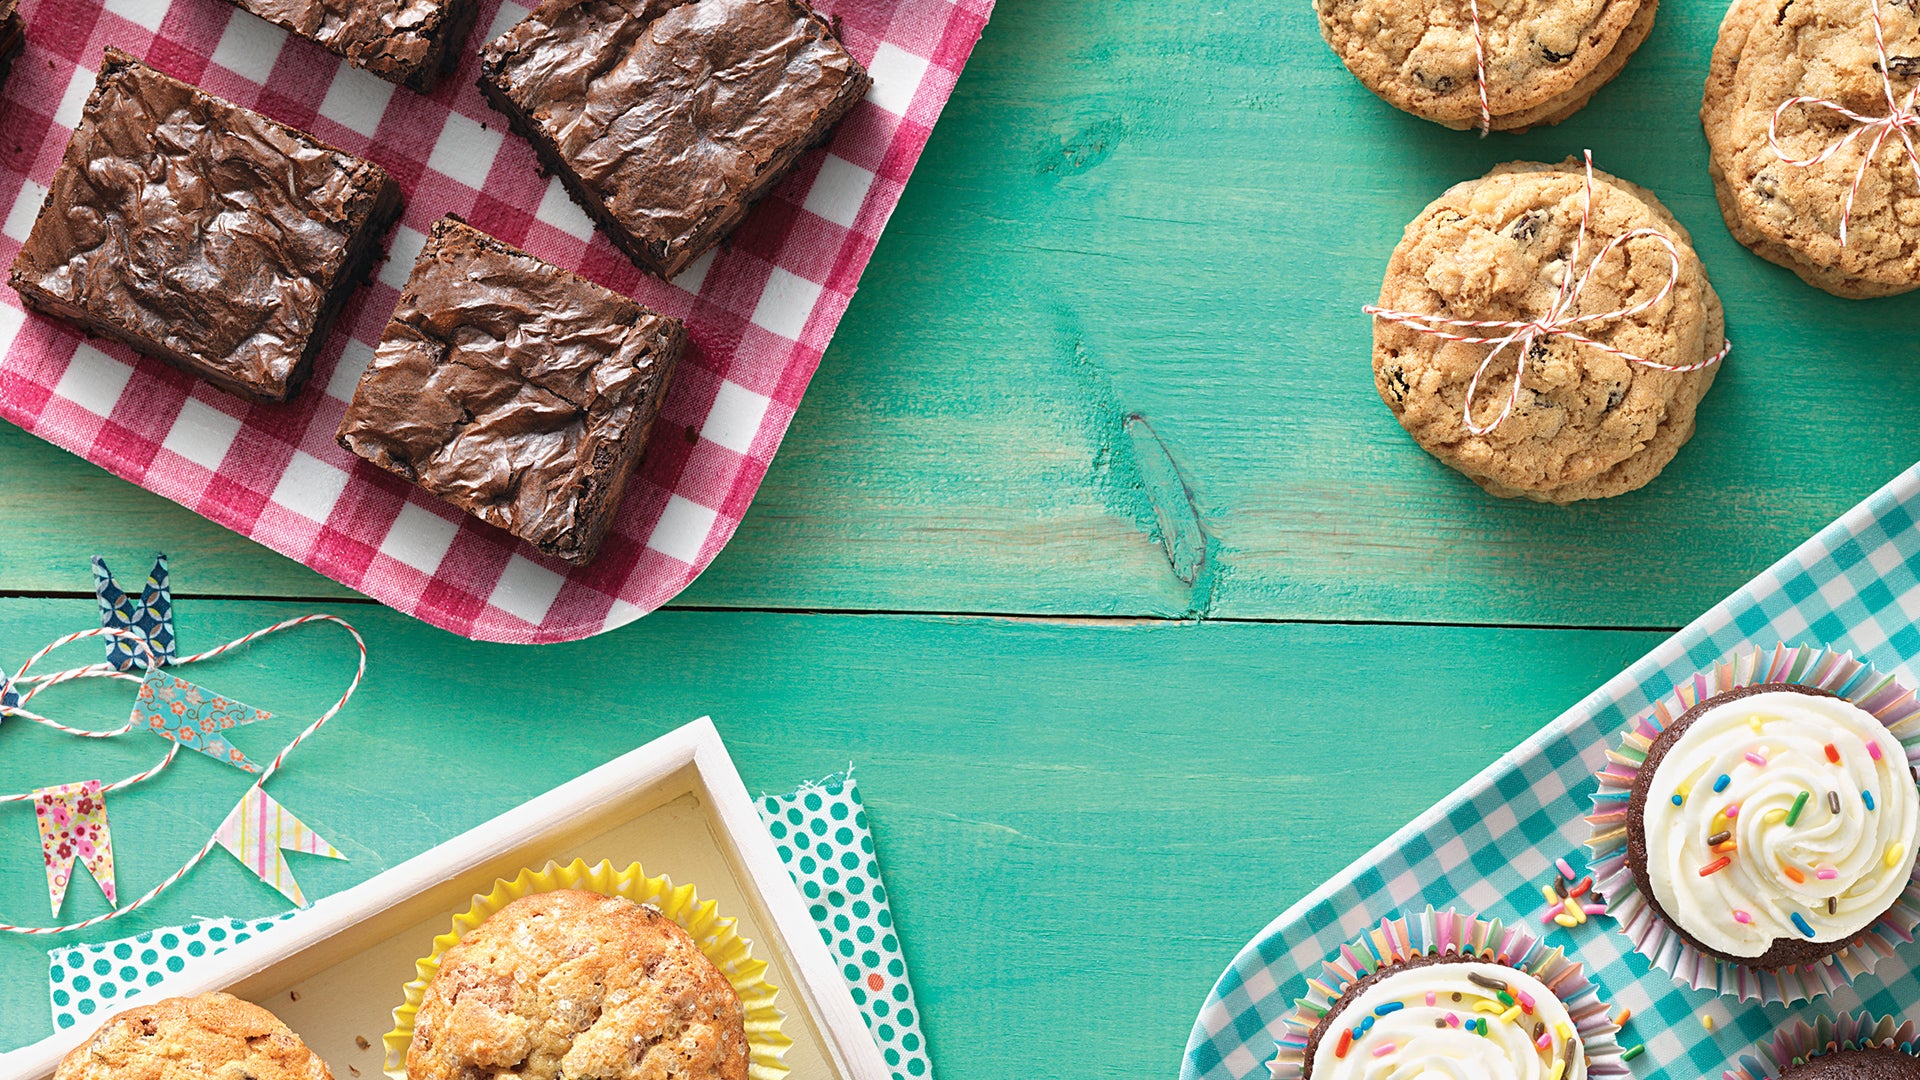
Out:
{"x": 9, "y": 695}
{"x": 260, "y": 831}
{"x": 194, "y": 717}
{"x": 148, "y": 615}
{"x": 73, "y": 824}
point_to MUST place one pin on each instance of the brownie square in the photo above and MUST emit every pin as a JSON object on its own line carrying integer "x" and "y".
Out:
{"x": 202, "y": 233}
{"x": 668, "y": 120}
{"x": 411, "y": 42}
{"x": 13, "y": 35}
{"x": 514, "y": 390}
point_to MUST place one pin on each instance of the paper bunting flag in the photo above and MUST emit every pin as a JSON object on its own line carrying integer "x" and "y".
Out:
{"x": 9, "y": 696}
{"x": 260, "y": 831}
{"x": 149, "y": 615}
{"x": 194, "y": 717}
{"x": 73, "y": 825}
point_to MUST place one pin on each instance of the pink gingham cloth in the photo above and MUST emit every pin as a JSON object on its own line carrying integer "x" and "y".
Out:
{"x": 760, "y": 311}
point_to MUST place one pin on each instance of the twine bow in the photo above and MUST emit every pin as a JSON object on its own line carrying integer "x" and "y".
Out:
{"x": 1900, "y": 120}
{"x": 1559, "y": 320}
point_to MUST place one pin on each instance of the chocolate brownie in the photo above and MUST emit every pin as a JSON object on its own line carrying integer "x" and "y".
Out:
{"x": 411, "y": 42}
{"x": 668, "y": 120}
{"x": 1871, "y": 1063}
{"x": 13, "y": 36}
{"x": 202, "y": 233}
{"x": 514, "y": 390}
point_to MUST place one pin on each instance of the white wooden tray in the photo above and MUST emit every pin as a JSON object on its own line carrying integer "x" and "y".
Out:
{"x": 335, "y": 971}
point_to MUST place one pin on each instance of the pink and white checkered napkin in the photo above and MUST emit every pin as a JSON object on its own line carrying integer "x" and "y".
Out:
{"x": 760, "y": 311}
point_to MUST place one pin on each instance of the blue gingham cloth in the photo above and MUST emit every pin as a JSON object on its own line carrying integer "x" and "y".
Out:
{"x": 1491, "y": 844}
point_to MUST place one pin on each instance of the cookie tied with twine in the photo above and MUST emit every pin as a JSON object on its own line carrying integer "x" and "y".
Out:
{"x": 1810, "y": 116}
{"x": 1490, "y": 65}
{"x": 1575, "y": 302}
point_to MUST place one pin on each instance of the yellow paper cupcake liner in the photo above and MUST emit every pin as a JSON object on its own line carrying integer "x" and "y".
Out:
{"x": 717, "y": 937}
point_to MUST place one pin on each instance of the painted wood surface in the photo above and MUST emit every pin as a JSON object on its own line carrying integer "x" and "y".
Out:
{"x": 1079, "y": 821}
{"x": 1120, "y": 305}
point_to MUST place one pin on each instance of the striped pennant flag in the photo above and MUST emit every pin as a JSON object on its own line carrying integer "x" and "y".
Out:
{"x": 259, "y": 832}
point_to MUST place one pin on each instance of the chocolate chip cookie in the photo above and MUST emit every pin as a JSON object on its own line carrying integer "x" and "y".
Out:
{"x": 1588, "y": 423}
{"x": 1773, "y": 51}
{"x": 213, "y": 1035}
{"x": 583, "y": 986}
{"x": 1543, "y": 59}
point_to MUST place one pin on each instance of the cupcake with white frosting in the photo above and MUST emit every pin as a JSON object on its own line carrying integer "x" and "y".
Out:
{"x": 1756, "y": 831}
{"x": 1857, "y": 1046}
{"x": 1447, "y": 993}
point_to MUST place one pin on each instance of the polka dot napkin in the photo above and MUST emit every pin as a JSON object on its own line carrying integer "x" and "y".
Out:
{"x": 92, "y": 980}
{"x": 821, "y": 833}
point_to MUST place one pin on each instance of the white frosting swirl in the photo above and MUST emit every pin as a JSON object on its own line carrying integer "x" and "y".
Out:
{"x": 1413, "y": 1040}
{"x": 1825, "y": 877}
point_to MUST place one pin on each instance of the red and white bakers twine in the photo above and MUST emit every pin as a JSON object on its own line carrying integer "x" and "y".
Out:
{"x": 1559, "y": 321}
{"x": 1900, "y": 120}
{"x": 41, "y": 682}
{"x": 1480, "y": 69}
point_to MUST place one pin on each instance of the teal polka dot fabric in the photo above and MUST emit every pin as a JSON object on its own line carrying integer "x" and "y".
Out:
{"x": 88, "y": 983}
{"x": 821, "y": 834}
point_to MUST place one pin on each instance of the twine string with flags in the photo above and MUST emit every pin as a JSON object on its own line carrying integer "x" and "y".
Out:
{"x": 1559, "y": 319}
{"x": 257, "y": 818}
{"x": 1900, "y": 121}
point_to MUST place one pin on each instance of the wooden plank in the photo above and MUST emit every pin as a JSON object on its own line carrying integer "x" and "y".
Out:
{"x": 1080, "y": 821}
{"x": 1141, "y": 210}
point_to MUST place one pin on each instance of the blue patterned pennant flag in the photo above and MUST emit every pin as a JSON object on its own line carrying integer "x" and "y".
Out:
{"x": 194, "y": 717}
{"x": 9, "y": 695}
{"x": 148, "y": 615}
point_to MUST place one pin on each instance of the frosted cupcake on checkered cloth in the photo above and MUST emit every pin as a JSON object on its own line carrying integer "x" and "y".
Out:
{"x": 1856, "y": 1047}
{"x": 1448, "y": 993}
{"x": 1755, "y": 833}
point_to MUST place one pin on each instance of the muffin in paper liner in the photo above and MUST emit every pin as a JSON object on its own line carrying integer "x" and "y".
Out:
{"x": 1795, "y": 1043}
{"x": 718, "y": 938}
{"x": 1439, "y": 933}
{"x": 1875, "y": 692}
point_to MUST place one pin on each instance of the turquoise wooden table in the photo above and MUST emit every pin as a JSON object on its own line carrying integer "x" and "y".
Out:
{"x": 1091, "y": 545}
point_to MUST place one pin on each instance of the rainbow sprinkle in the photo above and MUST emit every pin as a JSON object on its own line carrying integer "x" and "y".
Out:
{"x": 1742, "y": 917}
{"x": 1873, "y": 750}
{"x": 1716, "y": 866}
{"x": 1826, "y": 873}
{"x": 1720, "y": 785}
{"x": 1756, "y": 759}
{"x": 1800, "y": 923}
{"x": 1389, "y": 1008}
{"x": 1679, "y": 799}
{"x": 1867, "y": 797}
{"x": 1833, "y": 754}
{"x": 1633, "y": 1052}
{"x": 1896, "y": 853}
{"x": 1384, "y": 1049}
{"x": 1565, "y": 868}
{"x": 1799, "y": 804}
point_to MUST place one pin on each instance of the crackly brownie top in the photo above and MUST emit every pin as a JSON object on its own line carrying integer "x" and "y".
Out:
{"x": 198, "y": 224}
{"x": 579, "y": 985}
{"x": 671, "y": 112}
{"x": 184, "y": 1038}
{"x": 388, "y": 37}
{"x": 509, "y": 386}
